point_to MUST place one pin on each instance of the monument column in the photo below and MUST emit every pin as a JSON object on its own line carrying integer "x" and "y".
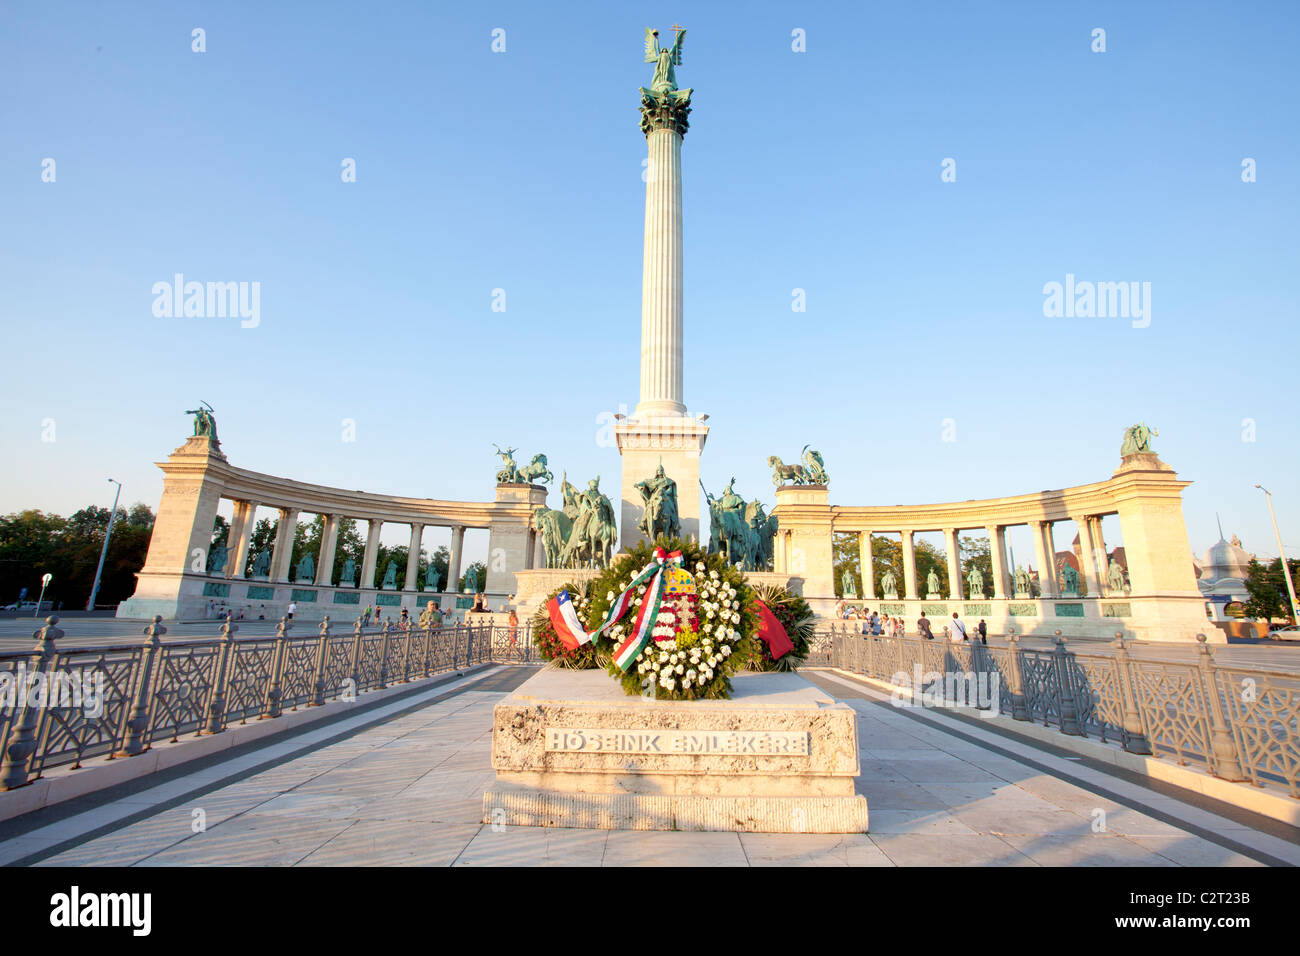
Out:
{"x": 997, "y": 553}
{"x": 867, "y": 566}
{"x": 372, "y": 553}
{"x": 909, "y": 566}
{"x": 955, "y": 589}
{"x": 282, "y": 556}
{"x": 660, "y": 431}
{"x": 453, "y": 562}
{"x": 413, "y": 558}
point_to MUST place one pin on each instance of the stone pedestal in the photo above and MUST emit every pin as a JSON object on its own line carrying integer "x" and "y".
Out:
{"x": 676, "y": 442}
{"x": 572, "y": 750}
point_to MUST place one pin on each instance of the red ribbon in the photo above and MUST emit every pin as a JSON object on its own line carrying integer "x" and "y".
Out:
{"x": 772, "y": 633}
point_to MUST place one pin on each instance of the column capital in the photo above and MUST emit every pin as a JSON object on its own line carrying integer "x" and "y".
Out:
{"x": 667, "y": 110}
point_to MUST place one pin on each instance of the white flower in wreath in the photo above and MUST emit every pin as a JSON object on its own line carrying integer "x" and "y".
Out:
{"x": 680, "y": 668}
{"x": 663, "y": 657}
{"x": 667, "y": 682}
{"x": 735, "y": 618}
{"x": 609, "y": 596}
{"x": 691, "y": 675}
{"x": 726, "y": 651}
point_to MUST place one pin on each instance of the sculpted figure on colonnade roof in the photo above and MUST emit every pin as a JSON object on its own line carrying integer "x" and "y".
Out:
{"x": 1137, "y": 440}
{"x": 205, "y": 425}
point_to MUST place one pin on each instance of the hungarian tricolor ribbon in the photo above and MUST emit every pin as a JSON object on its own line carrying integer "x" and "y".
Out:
{"x": 572, "y": 634}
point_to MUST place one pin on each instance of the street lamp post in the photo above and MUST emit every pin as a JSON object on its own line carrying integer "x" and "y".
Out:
{"x": 46, "y": 578}
{"x": 1286, "y": 571}
{"x": 103, "y": 552}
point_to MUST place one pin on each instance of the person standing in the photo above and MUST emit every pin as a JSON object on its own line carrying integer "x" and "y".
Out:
{"x": 958, "y": 629}
{"x": 923, "y": 627}
{"x": 293, "y": 606}
{"x": 984, "y": 632}
{"x": 514, "y": 628}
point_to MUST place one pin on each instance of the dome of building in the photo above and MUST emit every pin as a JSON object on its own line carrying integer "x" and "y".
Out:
{"x": 1226, "y": 559}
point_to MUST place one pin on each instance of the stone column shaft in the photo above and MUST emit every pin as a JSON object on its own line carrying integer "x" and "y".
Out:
{"x": 1046, "y": 560}
{"x": 282, "y": 556}
{"x": 453, "y": 563}
{"x": 241, "y": 534}
{"x": 955, "y": 589}
{"x": 867, "y": 563}
{"x": 371, "y": 555}
{"x": 1001, "y": 583}
{"x": 1088, "y": 556}
{"x": 661, "y": 278}
{"x": 413, "y": 558}
{"x": 909, "y": 565}
{"x": 328, "y": 546}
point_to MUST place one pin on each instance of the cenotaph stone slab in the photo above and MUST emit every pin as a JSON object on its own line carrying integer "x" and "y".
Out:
{"x": 571, "y": 749}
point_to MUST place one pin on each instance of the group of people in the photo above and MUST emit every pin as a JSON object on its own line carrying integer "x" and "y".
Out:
{"x": 894, "y": 626}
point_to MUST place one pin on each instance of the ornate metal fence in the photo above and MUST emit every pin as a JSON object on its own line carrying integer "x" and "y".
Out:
{"x": 61, "y": 706}
{"x": 1239, "y": 723}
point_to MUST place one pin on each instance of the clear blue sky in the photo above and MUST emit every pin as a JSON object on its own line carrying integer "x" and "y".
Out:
{"x": 521, "y": 171}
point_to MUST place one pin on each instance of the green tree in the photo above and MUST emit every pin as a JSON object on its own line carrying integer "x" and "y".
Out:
{"x": 886, "y": 554}
{"x": 1267, "y": 588}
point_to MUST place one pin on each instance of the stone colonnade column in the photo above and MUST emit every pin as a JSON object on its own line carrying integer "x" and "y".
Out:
{"x": 1046, "y": 559}
{"x": 413, "y": 558}
{"x": 1088, "y": 556}
{"x": 909, "y": 565}
{"x": 1001, "y": 583}
{"x": 371, "y": 555}
{"x": 867, "y": 563}
{"x": 328, "y": 547}
{"x": 241, "y": 534}
{"x": 954, "y": 565}
{"x": 282, "y": 556}
{"x": 453, "y": 563}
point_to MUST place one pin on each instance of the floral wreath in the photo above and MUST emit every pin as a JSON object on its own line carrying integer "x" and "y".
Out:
{"x": 670, "y": 622}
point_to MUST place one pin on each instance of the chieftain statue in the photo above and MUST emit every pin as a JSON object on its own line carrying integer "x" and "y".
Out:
{"x": 390, "y": 576}
{"x": 975, "y": 581}
{"x": 584, "y": 534}
{"x": 932, "y": 584}
{"x": 348, "y": 578}
{"x": 1137, "y": 440}
{"x": 742, "y": 532}
{"x": 205, "y": 425}
{"x": 659, "y": 498}
{"x": 811, "y": 472}
{"x": 306, "y": 569}
{"x": 432, "y": 579}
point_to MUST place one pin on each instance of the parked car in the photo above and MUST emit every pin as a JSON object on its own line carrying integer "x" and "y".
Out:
{"x": 1288, "y": 632}
{"x": 22, "y": 606}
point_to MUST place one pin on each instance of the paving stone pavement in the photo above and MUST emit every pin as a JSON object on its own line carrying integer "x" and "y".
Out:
{"x": 408, "y": 791}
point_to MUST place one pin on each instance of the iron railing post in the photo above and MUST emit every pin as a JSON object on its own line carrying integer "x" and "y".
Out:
{"x": 1019, "y": 707}
{"x": 406, "y": 654}
{"x": 1225, "y": 762}
{"x": 21, "y": 745}
{"x": 136, "y": 739}
{"x": 383, "y": 659}
{"x": 1069, "y": 710}
{"x": 217, "y": 703}
{"x": 273, "y": 693}
{"x": 322, "y": 650}
{"x": 1135, "y": 738}
{"x": 356, "y": 658}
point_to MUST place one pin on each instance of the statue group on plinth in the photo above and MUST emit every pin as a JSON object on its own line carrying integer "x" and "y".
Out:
{"x": 584, "y": 533}
{"x": 512, "y": 474}
{"x": 1137, "y": 440}
{"x": 811, "y": 472}
{"x": 741, "y": 531}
